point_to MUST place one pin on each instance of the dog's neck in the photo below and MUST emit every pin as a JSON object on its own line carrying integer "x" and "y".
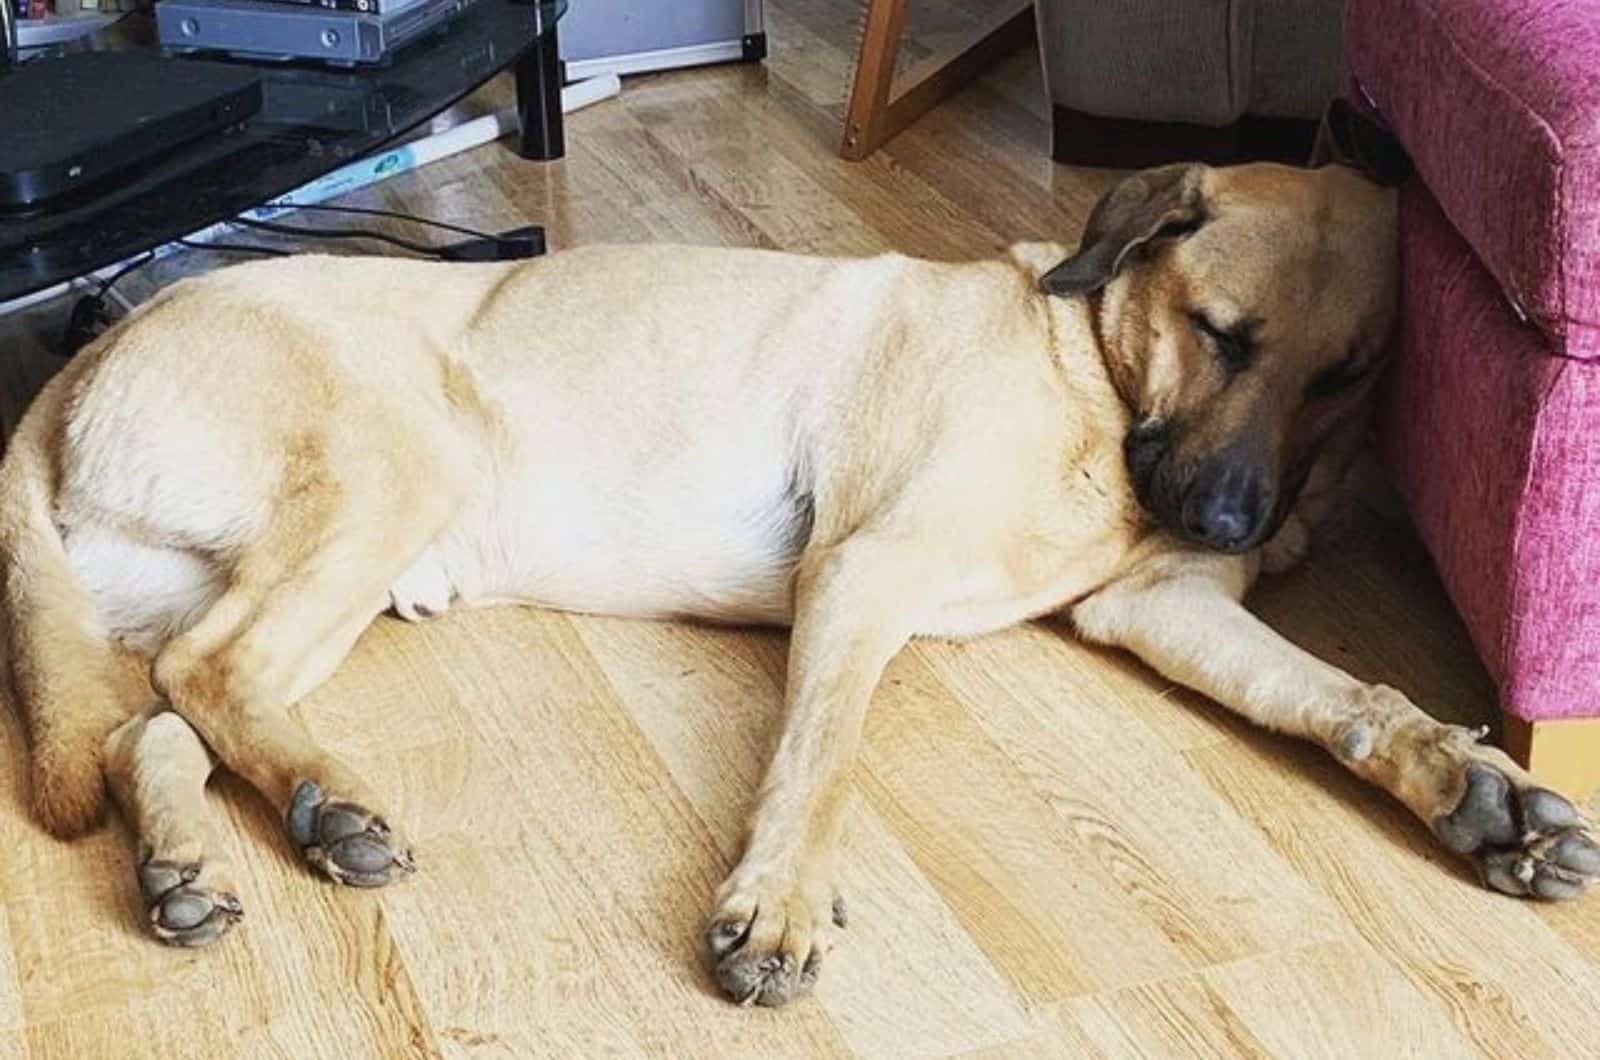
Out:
{"x": 1076, "y": 343}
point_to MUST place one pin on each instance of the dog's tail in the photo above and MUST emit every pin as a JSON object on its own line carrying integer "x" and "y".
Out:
{"x": 67, "y": 674}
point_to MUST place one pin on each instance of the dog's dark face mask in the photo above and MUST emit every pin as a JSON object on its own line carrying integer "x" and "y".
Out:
{"x": 1242, "y": 313}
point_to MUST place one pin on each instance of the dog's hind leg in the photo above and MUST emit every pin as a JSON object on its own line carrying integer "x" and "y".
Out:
{"x": 297, "y": 600}
{"x": 1181, "y": 614}
{"x": 157, "y": 769}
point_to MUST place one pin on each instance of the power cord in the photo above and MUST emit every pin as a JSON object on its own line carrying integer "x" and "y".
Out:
{"x": 515, "y": 244}
{"x": 512, "y": 245}
{"x": 235, "y": 248}
{"x": 372, "y": 211}
{"x": 91, "y": 315}
{"x": 339, "y": 233}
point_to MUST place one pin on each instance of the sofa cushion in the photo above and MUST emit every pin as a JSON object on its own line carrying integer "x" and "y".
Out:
{"x": 1491, "y": 440}
{"x": 1206, "y": 62}
{"x": 1498, "y": 102}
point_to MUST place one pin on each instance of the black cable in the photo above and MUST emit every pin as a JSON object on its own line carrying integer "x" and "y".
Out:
{"x": 367, "y": 211}
{"x": 144, "y": 259}
{"x": 339, "y": 233}
{"x": 244, "y": 248}
{"x": 235, "y": 248}
{"x": 89, "y": 316}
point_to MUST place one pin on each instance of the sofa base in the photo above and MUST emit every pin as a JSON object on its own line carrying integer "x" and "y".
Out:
{"x": 1080, "y": 139}
{"x": 1563, "y": 753}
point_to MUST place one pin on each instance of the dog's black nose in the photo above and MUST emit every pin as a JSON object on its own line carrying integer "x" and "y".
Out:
{"x": 1223, "y": 511}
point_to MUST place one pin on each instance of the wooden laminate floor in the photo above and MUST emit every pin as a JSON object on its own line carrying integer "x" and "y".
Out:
{"x": 1050, "y": 852}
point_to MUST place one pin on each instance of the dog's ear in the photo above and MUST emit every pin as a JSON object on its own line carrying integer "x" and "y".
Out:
{"x": 1349, "y": 137}
{"x": 1157, "y": 203}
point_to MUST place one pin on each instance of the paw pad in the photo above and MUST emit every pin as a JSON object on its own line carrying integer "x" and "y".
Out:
{"x": 766, "y": 947}
{"x": 1528, "y": 842}
{"x": 182, "y": 911}
{"x": 344, "y": 840}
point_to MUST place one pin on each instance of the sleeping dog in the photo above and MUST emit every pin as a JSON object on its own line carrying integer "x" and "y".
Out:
{"x": 205, "y": 509}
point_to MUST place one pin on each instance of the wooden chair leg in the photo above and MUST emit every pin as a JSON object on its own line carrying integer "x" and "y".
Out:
{"x": 1563, "y": 753}
{"x": 869, "y": 96}
{"x": 877, "y": 111}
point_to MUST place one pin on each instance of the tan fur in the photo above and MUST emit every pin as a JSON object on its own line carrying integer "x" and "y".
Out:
{"x": 157, "y": 768}
{"x": 234, "y": 483}
{"x": 73, "y": 683}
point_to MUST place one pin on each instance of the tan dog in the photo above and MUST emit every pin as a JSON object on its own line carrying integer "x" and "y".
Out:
{"x": 207, "y": 508}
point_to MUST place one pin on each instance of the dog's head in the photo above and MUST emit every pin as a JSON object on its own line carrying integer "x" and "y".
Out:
{"x": 1243, "y": 314}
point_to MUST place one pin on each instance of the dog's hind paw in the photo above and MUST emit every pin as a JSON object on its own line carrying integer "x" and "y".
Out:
{"x": 1525, "y": 840}
{"x": 186, "y": 903}
{"x": 349, "y": 843}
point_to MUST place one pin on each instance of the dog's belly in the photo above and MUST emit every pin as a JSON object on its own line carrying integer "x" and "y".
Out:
{"x": 716, "y": 538}
{"x": 145, "y": 594}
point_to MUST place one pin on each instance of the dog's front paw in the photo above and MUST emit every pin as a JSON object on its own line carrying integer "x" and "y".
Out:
{"x": 1525, "y": 840}
{"x": 768, "y": 936}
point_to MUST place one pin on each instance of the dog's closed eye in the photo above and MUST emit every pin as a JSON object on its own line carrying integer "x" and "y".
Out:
{"x": 1234, "y": 347}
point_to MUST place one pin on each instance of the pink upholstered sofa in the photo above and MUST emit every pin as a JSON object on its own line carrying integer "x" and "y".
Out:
{"x": 1491, "y": 423}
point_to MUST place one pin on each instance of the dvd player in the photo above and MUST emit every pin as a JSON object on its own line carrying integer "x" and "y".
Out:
{"x": 263, "y": 29}
{"x": 72, "y": 121}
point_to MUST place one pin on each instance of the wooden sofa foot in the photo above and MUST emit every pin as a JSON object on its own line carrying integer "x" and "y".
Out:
{"x": 1563, "y": 753}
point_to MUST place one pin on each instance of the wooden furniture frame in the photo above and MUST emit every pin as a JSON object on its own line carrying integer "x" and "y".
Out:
{"x": 1563, "y": 753}
{"x": 878, "y": 111}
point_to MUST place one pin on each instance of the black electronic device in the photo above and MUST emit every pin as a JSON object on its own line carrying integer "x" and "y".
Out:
{"x": 70, "y": 122}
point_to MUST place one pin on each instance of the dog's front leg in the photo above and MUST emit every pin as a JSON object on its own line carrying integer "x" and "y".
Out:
{"x": 1182, "y": 615}
{"x": 856, "y": 604}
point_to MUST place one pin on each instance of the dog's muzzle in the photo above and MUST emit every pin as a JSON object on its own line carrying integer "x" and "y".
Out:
{"x": 1225, "y": 504}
